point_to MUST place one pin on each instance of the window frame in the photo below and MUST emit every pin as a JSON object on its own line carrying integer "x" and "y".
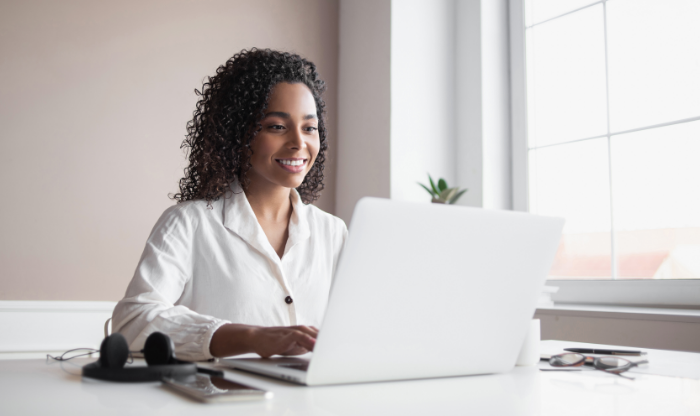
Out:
{"x": 651, "y": 293}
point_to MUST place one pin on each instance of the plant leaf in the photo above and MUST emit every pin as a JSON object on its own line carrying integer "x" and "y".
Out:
{"x": 432, "y": 184}
{"x": 442, "y": 185}
{"x": 448, "y": 193}
{"x": 457, "y": 195}
{"x": 426, "y": 188}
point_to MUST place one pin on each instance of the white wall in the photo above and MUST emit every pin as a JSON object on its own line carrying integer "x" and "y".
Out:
{"x": 422, "y": 96}
{"x": 364, "y": 103}
{"x": 442, "y": 108}
{"x": 94, "y": 98}
{"x": 483, "y": 103}
{"x": 396, "y": 99}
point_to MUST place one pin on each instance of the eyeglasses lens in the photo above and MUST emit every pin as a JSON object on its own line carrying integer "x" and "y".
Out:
{"x": 612, "y": 363}
{"x": 567, "y": 360}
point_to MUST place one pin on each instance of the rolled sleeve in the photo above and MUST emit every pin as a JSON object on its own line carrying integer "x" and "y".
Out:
{"x": 160, "y": 278}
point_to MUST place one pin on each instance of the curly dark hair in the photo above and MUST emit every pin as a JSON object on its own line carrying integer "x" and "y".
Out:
{"x": 228, "y": 117}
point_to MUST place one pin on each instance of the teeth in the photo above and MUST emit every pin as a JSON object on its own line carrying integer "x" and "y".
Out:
{"x": 291, "y": 162}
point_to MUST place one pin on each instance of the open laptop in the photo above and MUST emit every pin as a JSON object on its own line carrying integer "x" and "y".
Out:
{"x": 425, "y": 290}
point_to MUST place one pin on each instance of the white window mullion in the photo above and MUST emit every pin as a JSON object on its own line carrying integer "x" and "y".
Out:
{"x": 613, "y": 253}
{"x": 518, "y": 100}
{"x": 565, "y": 14}
{"x": 619, "y": 133}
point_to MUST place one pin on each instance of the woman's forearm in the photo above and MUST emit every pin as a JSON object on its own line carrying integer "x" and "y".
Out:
{"x": 232, "y": 339}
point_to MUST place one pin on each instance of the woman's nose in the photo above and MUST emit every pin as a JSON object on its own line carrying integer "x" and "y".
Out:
{"x": 296, "y": 139}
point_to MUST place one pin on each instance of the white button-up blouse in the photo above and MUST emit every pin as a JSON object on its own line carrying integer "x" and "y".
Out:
{"x": 205, "y": 267}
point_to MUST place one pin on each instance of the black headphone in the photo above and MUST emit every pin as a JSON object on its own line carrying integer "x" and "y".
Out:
{"x": 159, "y": 355}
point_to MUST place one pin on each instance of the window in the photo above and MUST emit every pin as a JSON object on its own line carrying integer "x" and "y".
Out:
{"x": 611, "y": 101}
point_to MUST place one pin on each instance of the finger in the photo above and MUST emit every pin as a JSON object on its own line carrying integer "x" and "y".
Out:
{"x": 293, "y": 344}
{"x": 307, "y": 330}
{"x": 305, "y": 341}
{"x": 296, "y": 351}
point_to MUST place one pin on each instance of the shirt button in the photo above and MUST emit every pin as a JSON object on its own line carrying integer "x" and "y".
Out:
{"x": 288, "y": 299}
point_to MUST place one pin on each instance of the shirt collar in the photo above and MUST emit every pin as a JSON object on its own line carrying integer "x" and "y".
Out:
{"x": 299, "y": 222}
{"x": 240, "y": 218}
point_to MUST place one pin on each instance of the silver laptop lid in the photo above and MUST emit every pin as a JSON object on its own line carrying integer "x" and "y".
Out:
{"x": 429, "y": 290}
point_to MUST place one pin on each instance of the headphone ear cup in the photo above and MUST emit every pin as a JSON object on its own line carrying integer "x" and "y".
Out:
{"x": 158, "y": 349}
{"x": 114, "y": 351}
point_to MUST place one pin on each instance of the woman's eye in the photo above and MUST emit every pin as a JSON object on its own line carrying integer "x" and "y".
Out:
{"x": 311, "y": 128}
{"x": 276, "y": 127}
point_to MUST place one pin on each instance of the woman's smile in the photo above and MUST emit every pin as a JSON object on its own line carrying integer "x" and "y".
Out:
{"x": 292, "y": 165}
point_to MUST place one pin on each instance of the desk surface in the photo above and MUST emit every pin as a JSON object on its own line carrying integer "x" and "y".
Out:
{"x": 37, "y": 387}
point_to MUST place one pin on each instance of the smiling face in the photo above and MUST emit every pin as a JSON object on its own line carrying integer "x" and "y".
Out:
{"x": 285, "y": 149}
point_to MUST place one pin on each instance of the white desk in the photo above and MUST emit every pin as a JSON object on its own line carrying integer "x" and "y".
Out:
{"x": 34, "y": 387}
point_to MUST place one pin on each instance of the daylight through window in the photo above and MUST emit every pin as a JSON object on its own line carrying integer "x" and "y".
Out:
{"x": 613, "y": 104}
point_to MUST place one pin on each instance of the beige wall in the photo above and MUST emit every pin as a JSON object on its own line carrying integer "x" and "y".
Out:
{"x": 94, "y": 98}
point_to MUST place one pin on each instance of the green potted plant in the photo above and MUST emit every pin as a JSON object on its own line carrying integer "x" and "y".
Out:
{"x": 442, "y": 194}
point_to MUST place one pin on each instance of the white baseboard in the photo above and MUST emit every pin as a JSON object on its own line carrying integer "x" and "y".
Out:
{"x": 32, "y": 329}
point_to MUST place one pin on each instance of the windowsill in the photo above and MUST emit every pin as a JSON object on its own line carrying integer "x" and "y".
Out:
{"x": 636, "y": 294}
{"x": 622, "y": 312}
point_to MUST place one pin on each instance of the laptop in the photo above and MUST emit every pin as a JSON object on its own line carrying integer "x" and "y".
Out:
{"x": 425, "y": 290}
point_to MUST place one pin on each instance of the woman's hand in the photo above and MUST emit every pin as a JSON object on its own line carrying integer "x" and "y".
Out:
{"x": 234, "y": 339}
{"x": 284, "y": 340}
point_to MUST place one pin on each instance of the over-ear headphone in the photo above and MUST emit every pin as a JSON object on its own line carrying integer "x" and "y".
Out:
{"x": 158, "y": 352}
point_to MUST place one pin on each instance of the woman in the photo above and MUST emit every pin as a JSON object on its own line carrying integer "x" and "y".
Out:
{"x": 242, "y": 263}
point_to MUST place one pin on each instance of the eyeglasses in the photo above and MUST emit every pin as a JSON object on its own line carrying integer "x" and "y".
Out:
{"x": 612, "y": 365}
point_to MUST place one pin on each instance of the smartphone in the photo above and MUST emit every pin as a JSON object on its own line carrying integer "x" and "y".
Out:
{"x": 214, "y": 389}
